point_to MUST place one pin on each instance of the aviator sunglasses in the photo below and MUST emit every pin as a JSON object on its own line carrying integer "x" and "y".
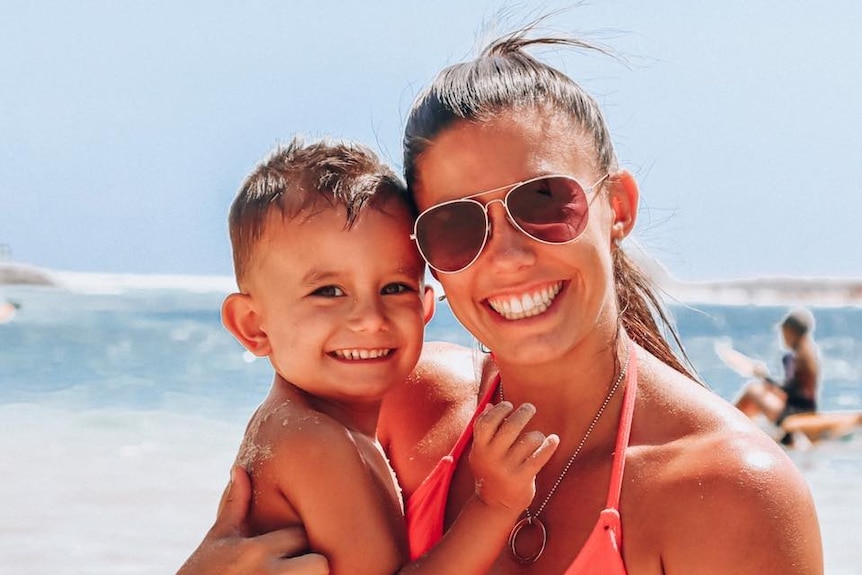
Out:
{"x": 550, "y": 209}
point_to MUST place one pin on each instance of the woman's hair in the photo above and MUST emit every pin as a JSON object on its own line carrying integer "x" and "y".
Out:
{"x": 505, "y": 77}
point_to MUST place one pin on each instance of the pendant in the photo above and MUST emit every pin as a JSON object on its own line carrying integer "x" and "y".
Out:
{"x": 525, "y": 523}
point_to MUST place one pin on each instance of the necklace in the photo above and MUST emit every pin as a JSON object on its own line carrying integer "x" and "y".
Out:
{"x": 531, "y": 520}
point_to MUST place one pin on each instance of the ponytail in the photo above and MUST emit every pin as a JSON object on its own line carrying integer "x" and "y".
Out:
{"x": 638, "y": 308}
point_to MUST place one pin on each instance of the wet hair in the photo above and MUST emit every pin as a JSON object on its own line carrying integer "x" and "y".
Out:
{"x": 300, "y": 179}
{"x": 505, "y": 77}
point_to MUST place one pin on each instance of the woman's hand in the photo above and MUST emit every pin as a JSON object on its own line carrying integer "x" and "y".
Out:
{"x": 225, "y": 550}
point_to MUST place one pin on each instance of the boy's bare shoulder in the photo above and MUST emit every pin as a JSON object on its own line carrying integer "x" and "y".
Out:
{"x": 286, "y": 430}
{"x": 307, "y": 467}
{"x": 291, "y": 452}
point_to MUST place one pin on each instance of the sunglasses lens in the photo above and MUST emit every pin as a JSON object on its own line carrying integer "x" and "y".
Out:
{"x": 451, "y": 235}
{"x": 552, "y": 210}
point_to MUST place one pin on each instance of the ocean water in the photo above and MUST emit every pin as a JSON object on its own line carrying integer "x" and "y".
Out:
{"x": 123, "y": 405}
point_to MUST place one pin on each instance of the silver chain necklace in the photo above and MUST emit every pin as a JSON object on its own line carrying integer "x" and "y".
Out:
{"x": 531, "y": 520}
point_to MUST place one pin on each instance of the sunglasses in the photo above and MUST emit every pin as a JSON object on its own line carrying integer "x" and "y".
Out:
{"x": 550, "y": 209}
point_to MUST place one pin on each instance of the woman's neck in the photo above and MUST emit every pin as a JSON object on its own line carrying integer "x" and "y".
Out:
{"x": 568, "y": 391}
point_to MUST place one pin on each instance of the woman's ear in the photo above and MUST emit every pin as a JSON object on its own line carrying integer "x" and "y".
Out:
{"x": 239, "y": 316}
{"x": 624, "y": 197}
{"x": 429, "y": 303}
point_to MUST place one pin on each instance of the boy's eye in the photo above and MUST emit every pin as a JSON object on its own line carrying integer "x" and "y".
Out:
{"x": 395, "y": 288}
{"x": 328, "y": 291}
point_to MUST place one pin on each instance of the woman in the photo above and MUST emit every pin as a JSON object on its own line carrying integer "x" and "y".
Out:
{"x": 523, "y": 211}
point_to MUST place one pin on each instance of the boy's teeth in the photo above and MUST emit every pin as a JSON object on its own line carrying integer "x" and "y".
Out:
{"x": 527, "y": 305}
{"x": 361, "y": 353}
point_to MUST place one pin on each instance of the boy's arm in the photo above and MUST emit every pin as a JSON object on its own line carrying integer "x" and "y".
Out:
{"x": 227, "y": 551}
{"x": 348, "y": 514}
{"x": 504, "y": 461}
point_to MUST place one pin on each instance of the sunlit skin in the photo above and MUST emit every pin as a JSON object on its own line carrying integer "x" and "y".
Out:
{"x": 512, "y": 264}
{"x": 689, "y": 450}
{"x": 340, "y": 313}
{"x": 704, "y": 491}
{"x": 345, "y": 293}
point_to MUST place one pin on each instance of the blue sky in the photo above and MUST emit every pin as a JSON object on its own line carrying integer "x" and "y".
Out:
{"x": 128, "y": 126}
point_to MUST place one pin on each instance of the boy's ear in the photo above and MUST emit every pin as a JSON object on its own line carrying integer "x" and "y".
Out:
{"x": 624, "y": 197}
{"x": 239, "y": 316}
{"x": 429, "y": 304}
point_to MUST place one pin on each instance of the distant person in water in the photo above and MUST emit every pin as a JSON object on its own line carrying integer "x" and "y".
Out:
{"x": 797, "y": 392}
{"x": 8, "y": 310}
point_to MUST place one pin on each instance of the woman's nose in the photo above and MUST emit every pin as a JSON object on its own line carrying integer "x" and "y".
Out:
{"x": 507, "y": 246}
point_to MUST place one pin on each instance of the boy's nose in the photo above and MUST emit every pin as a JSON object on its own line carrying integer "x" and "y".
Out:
{"x": 367, "y": 315}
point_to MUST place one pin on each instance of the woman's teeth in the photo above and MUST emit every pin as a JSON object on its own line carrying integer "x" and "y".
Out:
{"x": 527, "y": 305}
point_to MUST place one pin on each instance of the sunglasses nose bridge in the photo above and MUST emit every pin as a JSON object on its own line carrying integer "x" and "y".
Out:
{"x": 501, "y": 217}
{"x": 489, "y": 229}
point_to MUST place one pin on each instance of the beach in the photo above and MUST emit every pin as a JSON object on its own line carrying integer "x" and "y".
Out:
{"x": 125, "y": 401}
{"x": 116, "y": 493}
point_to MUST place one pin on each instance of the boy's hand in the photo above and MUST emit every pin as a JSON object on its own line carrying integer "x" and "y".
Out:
{"x": 227, "y": 551}
{"x": 505, "y": 459}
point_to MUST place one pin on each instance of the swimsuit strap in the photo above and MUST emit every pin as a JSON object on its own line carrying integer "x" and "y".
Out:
{"x": 467, "y": 434}
{"x": 624, "y": 431}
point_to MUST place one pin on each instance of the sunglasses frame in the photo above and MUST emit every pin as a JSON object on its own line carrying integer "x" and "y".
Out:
{"x": 484, "y": 207}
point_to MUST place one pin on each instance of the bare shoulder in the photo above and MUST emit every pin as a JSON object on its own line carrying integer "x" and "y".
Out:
{"x": 447, "y": 371}
{"x": 421, "y": 419}
{"x": 290, "y": 450}
{"x": 717, "y": 495}
{"x": 306, "y": 467}
{"x": 289, "y": 430}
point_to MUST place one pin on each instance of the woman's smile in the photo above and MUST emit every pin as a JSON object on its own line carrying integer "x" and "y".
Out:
{"x": 528, "y": 304}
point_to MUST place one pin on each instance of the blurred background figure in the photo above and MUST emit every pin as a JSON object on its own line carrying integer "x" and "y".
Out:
{"x": 797, "y": 392}
{"x": 7, "y": 309}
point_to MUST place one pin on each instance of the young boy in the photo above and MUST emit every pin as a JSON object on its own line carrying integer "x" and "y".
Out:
{"x": 331, "y": 290}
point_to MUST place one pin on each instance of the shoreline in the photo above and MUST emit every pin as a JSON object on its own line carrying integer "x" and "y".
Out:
{"x": 755, "y": 291}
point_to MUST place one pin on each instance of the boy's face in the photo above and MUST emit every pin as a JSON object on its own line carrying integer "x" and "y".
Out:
{"x": 341, "y": 312}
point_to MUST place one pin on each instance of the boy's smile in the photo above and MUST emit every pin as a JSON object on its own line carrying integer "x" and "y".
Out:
{"x": 340, "y": 311}
{"x": 361, "y": 354}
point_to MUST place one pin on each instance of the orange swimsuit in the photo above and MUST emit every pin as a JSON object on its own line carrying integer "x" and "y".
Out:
{"x": 602, "y": 551}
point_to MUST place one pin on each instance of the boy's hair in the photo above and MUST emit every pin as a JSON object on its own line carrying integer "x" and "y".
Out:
{"x": 300, "y": 177}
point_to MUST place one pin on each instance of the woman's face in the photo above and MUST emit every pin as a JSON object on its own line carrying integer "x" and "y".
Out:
{"x": 574, "y": 281}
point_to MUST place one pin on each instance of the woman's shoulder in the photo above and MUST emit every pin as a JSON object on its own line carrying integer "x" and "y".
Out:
{"x": 711, "y": 474}
{"x": 421, "y": 420}
{"x": 696, "y": 442}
